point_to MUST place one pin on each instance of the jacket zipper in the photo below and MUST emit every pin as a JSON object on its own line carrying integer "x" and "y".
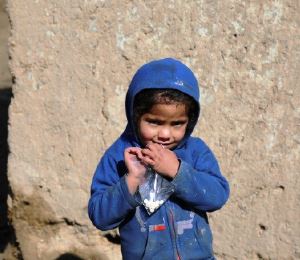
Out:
{"x": 174, "y": 234}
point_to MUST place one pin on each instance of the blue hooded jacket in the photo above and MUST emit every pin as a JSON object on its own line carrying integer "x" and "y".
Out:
{"x": 179, "y": 229}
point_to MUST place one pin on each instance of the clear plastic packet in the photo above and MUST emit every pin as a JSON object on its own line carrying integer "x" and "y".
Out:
{"x": 154, "y": 190}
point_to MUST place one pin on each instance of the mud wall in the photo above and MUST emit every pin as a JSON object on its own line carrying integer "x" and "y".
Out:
{"x": 72, "y": 62}
{"x": 5, "y": 95}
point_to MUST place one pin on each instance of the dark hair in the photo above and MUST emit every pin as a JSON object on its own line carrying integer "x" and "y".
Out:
{"x": 147, "y": 98}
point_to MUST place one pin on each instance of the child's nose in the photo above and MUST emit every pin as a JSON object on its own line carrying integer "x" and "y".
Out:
{"x": 164, "y": 133}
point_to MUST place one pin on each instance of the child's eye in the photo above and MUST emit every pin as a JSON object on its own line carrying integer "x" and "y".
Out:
{"x": 153, "y": 122}
{"x": 178, "y": 123}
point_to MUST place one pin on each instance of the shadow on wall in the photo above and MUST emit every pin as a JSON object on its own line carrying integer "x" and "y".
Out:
{"x": 6, "y": 231}
{"x": 7, "y": 234}
{"x": 69, "y": 256}
{"x": 87, "y": 256}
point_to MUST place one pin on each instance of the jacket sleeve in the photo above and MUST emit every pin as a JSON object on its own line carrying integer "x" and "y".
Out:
{"x": 203, "y": 187}
{"x": 110, "y": 201}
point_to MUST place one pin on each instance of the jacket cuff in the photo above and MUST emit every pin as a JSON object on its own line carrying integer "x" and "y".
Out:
{"x": 131, "y": 199}
{"x": 182, "y": 175}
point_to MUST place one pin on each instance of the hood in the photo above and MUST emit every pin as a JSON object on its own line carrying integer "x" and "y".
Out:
{"x": 165, "y": 73}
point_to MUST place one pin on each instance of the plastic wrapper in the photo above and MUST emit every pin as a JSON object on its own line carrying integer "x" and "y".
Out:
{"x": 154, "y": 190}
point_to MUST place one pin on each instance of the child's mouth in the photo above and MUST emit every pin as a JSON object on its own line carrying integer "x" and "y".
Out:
{"x": 165, "y": 144}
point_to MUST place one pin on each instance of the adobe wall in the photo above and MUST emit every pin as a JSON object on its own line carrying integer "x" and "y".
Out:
{"x": 72, "y": 62}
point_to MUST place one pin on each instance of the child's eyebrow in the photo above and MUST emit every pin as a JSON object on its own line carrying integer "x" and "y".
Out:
{"x": 152, "y": 117}
{"x": 180, "y": 120}
{"x": 154, "y": 120}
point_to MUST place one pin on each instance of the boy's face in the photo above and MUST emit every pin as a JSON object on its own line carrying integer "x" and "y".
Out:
{"x": 164, "y": 124}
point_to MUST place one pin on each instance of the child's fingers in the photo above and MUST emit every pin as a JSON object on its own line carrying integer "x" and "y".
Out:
{"x": 133, "y": 153}
{"x": 148, "y": 161}
{"x": 155, "y": 151}
{"x": 154, "y": 147}
{"x": 139, "y": 154}
{"x": 148, "y": 153}
{"x": 132, "y": 150}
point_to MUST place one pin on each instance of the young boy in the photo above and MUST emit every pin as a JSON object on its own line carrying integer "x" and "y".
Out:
{"x": 162, "y": 109}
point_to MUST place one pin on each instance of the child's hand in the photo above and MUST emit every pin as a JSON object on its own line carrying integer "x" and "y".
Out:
{"x": 163, "y": 161}
{"x": 135, "y": 167}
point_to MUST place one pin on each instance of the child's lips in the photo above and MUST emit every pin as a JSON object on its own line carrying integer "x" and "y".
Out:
{"x": 164, "y": 144}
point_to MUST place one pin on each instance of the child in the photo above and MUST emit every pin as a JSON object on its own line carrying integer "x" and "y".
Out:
{"x": 162, "y": 109}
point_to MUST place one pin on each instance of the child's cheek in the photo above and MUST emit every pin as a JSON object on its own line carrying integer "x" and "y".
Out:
{"x": 146, "y": 134}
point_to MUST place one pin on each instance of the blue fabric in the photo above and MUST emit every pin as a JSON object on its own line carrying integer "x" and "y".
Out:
{"x": 180, "y": 226}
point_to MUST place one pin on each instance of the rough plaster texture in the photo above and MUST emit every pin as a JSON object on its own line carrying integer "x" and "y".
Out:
{"x": 72, "y": 62}
{"x": 5, "y": 77}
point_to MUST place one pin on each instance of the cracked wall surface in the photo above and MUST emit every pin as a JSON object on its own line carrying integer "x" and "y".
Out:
{"x": 72, "y": 62}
